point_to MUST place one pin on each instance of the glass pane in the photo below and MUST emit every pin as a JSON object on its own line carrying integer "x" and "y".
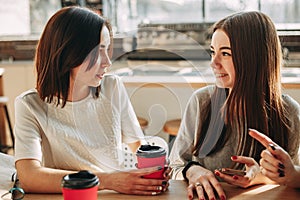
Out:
{"x": 282, "y": 11}
{"x": 217, "y": 9}
{"x": 127, "y": 14}
{"x": 170, "y": 11}
{"x": 14, "y": 17}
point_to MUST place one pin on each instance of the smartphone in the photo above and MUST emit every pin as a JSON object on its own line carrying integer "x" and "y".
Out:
{"x": 232, "y": 172}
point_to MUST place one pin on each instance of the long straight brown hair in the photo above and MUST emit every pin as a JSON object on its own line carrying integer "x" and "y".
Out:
{"x": 255, "y": 100}
{"x": 71, "y": 35}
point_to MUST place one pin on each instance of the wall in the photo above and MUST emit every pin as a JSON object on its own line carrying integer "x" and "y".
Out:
{"x": 17, "y": 78}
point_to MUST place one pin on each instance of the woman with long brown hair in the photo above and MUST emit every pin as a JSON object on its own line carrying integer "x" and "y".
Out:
{"x": 246, "y": 60}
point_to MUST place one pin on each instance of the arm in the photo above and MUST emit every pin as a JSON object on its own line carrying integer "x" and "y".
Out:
{"x": 134, "y": 146}
{"x": 132, "y": 133}
{"x": 199, "y": 178}
{"x": 181, "y": 152}
{"x": 37, "y": 179}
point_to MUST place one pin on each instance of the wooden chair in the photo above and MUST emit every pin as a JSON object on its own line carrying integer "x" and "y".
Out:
{"x": 143, "y": 123}
{"x": 171, "y": 127}
{"x": 4, "y": 117}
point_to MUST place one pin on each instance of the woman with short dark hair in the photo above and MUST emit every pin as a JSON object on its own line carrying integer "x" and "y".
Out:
{"x": 77, "y": 118}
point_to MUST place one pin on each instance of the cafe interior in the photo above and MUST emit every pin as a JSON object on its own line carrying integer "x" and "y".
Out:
{"x": 161, "y": 52}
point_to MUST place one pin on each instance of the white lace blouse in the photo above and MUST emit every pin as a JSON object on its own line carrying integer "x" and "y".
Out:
{"x": 87, "y": 134}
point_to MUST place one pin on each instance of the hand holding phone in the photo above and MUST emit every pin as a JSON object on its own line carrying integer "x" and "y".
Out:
{"x": 232, "y": 172}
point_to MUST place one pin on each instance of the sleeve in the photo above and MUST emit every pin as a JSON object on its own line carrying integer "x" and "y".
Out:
{"x": 131, "y": 130}
{"x": 293, "y": 111}
{"x": 181, "y": 152}
{"x": 27, "y": 136}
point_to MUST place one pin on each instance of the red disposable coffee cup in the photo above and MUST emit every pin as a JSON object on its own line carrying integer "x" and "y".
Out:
{"x": 151, "y": 156}
{"x": 80, "y": 186}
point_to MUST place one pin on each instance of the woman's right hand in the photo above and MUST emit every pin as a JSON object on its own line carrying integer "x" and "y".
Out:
{"x": 203, "y": 182}
{"x": 132, "y": 182}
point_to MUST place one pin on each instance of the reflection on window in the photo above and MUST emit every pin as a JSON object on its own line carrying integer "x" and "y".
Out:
{"x": 25, "y": 17}
{"x": 14, "y": 17}
{"x": 127, "y": 14}
{"x": 29, "y": 16}
{"x": 217, "y": 9}
{"x": 282, "y": 11}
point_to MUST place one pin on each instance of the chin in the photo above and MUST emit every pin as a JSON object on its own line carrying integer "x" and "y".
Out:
{"x": 223, "y": 85}
{"x": 96, "y": 84}
{"x": 220, "y": 85}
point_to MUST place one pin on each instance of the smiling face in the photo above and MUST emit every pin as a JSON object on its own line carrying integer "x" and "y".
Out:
{"x": 221, "y": 60}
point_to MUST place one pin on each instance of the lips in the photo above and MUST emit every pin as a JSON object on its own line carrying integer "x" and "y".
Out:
{"x": 220, "y": 75}
{"x": 99, "y": 76}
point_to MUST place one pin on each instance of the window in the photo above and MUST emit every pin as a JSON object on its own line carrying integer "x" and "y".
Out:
{"x": 127, "y": 14}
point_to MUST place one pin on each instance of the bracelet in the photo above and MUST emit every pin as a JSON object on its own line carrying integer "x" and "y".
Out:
{"x": 190, "y": 163}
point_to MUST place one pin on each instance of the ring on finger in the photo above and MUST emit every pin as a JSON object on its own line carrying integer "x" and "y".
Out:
{"x": 191, "y": 186}
{"x": 153, "y": 193}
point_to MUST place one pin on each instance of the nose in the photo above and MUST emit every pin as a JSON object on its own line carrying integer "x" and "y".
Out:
{"x": 215, "y": 62}
{"x": 106, "y": 62}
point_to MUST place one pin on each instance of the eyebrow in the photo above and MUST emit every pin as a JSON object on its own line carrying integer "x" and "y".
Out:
{"x": 102, "y": 46}
{"x": 225, "y": 48}
{"x": 222, "y": 48}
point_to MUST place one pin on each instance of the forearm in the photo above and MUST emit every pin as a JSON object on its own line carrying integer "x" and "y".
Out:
{"x": 176, "y": 169}
{"x": 105, "y": 180}
{"x": 36, "y": 179}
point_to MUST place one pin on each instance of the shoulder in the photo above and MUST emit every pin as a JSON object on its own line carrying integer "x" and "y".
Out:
{"x": 291, "y": 105}
{"x": 110, "y": 79}
{"x": 110, "y": 85}
{"x": 201, "y": 96}
{"x": 28, "y": 95}
{"x": 204, "y": 92}
{"x": 29, "y": 99}
{"x": 110, "y": 82}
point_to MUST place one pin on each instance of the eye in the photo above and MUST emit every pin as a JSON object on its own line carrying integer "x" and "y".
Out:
{"x": 226, "y": 54}
{"x": 212, "y": 52}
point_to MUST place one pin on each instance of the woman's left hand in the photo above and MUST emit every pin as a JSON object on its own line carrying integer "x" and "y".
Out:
{"x": 252, "y": 169}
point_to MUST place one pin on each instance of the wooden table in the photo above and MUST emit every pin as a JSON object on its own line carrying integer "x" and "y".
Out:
{"x": 177, "y": 191}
